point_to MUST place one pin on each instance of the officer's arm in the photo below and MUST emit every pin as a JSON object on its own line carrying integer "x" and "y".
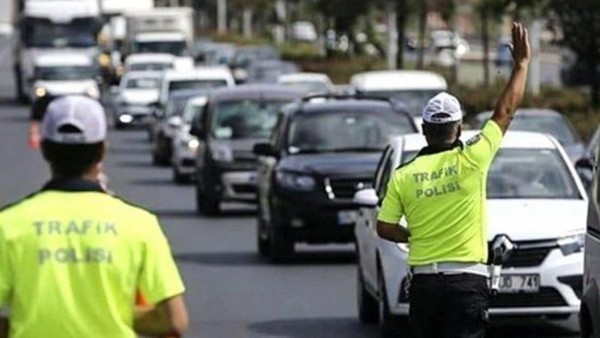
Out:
{"x": 513, "y": 92}
{"x": 168, "y": 318}
{"x": 392, "y": 232}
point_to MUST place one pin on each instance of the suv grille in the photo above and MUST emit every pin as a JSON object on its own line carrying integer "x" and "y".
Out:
{"x": 528, "y": 253}
{"x": 345, "y": 188}
{"x": 546, "y": 297}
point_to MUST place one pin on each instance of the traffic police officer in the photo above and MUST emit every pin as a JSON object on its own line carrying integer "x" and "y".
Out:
{"x": 72, "y": 257}
{"x": 442, "y": 195}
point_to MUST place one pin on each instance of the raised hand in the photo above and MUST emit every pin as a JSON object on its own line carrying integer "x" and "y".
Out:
{"x": 520, "y": 49}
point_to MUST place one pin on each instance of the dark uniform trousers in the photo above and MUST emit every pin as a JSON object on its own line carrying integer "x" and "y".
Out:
{"x": 448, "y": 306}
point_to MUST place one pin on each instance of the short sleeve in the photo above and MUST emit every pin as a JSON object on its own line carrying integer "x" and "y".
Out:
{"x": 5, "y": 273}
{"x": 159, "y": 278}
{"x": 391, "y": 210}
{"x": 481, "y": 148}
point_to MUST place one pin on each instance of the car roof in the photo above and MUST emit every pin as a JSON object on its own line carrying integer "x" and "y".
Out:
{"x": 512, "y": 140}
{"x": 63, "y": 59}
{"x": 521, "y": 111}
{"x": 252, "y": 91}
{"x": 160, "y": 36}
{"x": 149, "y": 57}
{"x": 398, "y": 80}
{"x": 205, "y": 72}
{"x": 300, "y": 77}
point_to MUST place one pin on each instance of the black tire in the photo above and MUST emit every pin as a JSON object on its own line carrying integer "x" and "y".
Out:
{"x": 391, "y": 326}
{"x": 262, "y": 244}
{"x": 281, "y": 244}
{"x": 368, "y": 307}
{"x": 207, "y": 201}
{"x": 178, "y": 177}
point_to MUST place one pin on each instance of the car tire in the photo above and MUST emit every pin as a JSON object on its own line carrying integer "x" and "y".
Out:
{"x": 368, "y": 307}
{"x": 178, "y": 177}
{"x": 391, "y": 326}
{"x": 262, "y": 244}
{"x": 280, "y": 244}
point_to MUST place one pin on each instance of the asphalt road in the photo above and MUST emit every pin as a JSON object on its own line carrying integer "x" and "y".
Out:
{"x": 231, "y": 292}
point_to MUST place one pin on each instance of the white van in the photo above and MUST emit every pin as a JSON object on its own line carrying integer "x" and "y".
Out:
{"x": 208, "y": 78}
{"x": 410, "y": 87}
{"x": 64, "y": 73}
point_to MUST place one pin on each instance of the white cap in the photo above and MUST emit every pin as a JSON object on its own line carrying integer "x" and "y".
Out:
{"x": 74, "y": 120}
{"x": 442, "y": 108}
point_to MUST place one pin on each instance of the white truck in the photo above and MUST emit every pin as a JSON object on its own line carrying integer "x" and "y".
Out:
{"x": 160, "y": 30}
{"x": 6, "y": 17}
{"x": 48, "y": 26}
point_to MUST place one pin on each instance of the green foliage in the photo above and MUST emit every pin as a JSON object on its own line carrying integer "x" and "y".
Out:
{"x": 299, "y": 51}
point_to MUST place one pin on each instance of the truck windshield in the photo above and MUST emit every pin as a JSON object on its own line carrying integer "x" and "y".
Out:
{"x": 245, "y": 119}
{"x": 42, "y": 33}
{"x": 64, "y": 73}
{"x": 177, "y": 48}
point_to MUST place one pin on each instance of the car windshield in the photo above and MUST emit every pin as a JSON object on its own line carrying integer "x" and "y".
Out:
{"x": 345, "y": 131}
{"x": 245, "y": 119}
{"x": 65, "y": 73}
{"x": 42, "y": 33}
{"x": 526, "y": 174}
{"x": 190, "y": 112}
{"x": 414, "y": 100}
{"x": 554, "y": 125}
{"x": 150, "y": 66}
{"x": 176, "y": 105}
{"x": 143, "y": 83}
{"x": 196, "y": 84}
{"x": 177, "y": 48}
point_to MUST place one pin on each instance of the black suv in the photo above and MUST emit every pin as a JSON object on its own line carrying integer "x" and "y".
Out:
{"x": 324, "y": 148}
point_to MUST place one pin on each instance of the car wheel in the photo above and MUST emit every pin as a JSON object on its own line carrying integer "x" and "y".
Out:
{"x": 281, "y": 245}
{"x": 178, "y": 177}
{"x": 391, "y": 326}
{"x": 368, "y": 307}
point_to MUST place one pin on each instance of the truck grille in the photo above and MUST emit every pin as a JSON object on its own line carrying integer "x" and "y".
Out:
{"x": 345, "y": 188}
{"x": 546, "y": 297}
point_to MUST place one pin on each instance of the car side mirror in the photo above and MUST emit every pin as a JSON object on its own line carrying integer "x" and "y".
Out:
{"x": 366, "y": 198}
{"x": 584, "y": 163}
{"x": 264, "y": 149}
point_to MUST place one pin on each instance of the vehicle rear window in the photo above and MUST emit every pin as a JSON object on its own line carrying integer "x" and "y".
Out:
{"x": 414, "y": 100}
{"x": 245, "y": 119}
{"x": 196, "y": 84}
{"x": 346, "y": 131}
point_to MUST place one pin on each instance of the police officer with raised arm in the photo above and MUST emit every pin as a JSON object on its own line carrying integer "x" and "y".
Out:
{"x": 442, "y": 195}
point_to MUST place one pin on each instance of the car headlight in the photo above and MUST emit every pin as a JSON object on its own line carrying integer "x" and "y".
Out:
{"x": 572, "y": 244}
{"x": 192, "y": 144}
{"x": 221, "y": 153}
{"x": 92, "y": 91}
{"x": 40, "y": 92}
{"x": 295, "y": 181}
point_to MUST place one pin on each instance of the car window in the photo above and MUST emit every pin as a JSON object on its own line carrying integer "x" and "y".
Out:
{"x": 65, "y": 73}
{"x": 155, "y": 66}
{"x": 526, "y": 174}
{"x": 190, "y": 113}
{"x": 388, "y": 169}
{"x": 245, "y": 119}
{"x": 338, "y": 131}
{"x": 143, "y": 83}
{"x": 414, "y": 100}
{"x": 380, "y": 174}
{"x": 196, "y": 84}
{"x": 278, "y": 130}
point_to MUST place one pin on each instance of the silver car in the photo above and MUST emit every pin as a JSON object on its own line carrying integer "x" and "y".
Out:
{"x": 185, "y": 145}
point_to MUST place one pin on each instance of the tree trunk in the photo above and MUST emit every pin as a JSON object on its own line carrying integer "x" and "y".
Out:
{"x": 400, "y": 24}
{"x": 422, "y": 28}
{"x": 485, "y": 39}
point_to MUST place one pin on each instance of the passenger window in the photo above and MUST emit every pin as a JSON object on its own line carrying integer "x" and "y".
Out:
{"x": 380, "y": 167}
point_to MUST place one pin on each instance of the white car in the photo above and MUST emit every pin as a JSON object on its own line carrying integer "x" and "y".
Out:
{"x": 310, "y": 83}
{"x": 535, "y": 198}
{"x": 185, "y": 145}
{"x": 410, "y": 87}
{"x": 209, "y": 77}
{"x": 149, "y": 62}
{"x": 64, "y": 73}
{"x": 137, "y": 95}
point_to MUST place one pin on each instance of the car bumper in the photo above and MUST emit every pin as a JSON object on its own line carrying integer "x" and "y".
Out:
{"x": 184, "y": 159}
{"x": 130, "y": 115}
{"x": 317, "y": 220}
{"x": 561, "y": 284}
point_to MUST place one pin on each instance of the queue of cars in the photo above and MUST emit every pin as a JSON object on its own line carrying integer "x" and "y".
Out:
{"x": 315, "y": 163}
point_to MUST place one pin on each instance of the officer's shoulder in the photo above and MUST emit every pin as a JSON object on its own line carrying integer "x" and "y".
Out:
{"x": 133, "y": 207}
{"x": 18, "y": 203}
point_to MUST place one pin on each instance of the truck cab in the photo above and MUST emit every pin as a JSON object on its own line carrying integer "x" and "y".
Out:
{"x": 44, "y": 26}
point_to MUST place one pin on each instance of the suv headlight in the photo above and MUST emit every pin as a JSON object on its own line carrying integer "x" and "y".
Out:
{"x": 191, "y": 144}
{"x": 221, "y": 153}
{"x": 295, "y": 181}
{"x": 572, "y": 244}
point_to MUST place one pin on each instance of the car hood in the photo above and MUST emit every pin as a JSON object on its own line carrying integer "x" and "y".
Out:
{"x": 526, "y": 219}
{"x": 66, "y": 87}
{"x": 140, "y": 96}
{"x": 332, "y": 163}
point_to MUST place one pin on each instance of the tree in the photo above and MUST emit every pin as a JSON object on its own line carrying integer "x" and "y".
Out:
{"x": 580, "y": 21}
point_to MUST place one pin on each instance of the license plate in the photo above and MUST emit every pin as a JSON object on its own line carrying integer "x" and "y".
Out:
{"x": 519, "y": 283}
{"x": 347, "y": 217}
